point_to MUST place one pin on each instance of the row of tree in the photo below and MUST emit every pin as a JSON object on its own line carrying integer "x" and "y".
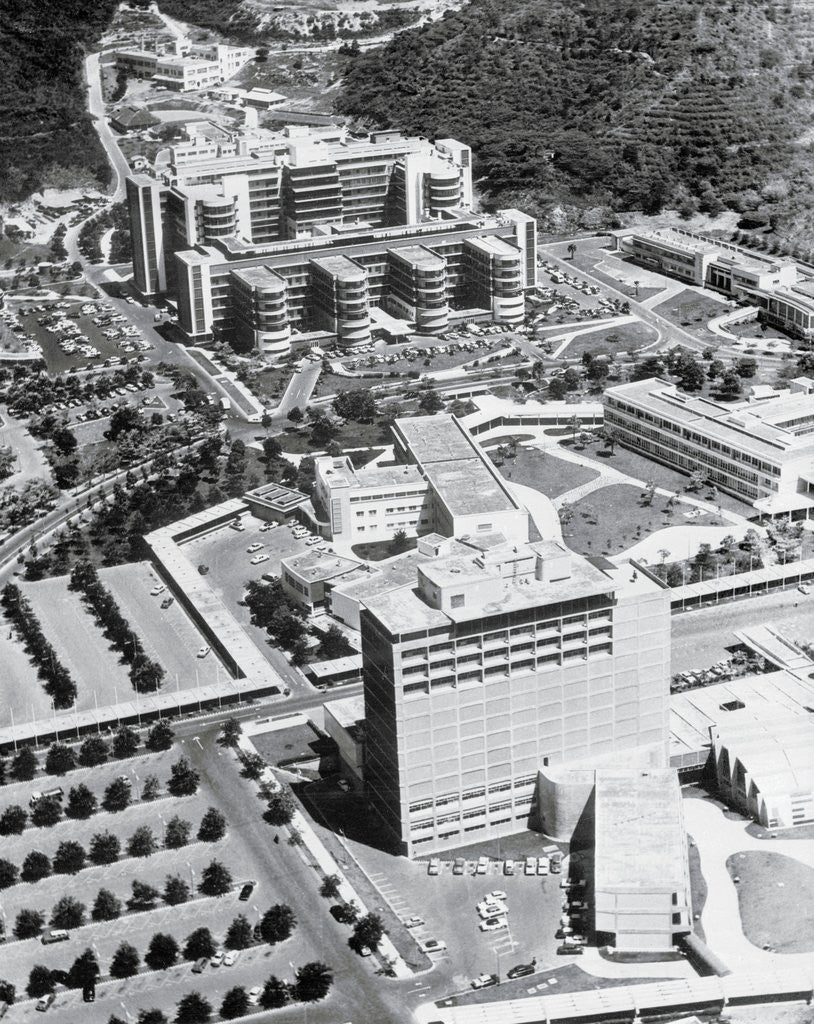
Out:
{"x": 95, "y": 750}
{"x": 145, "y": 674}
{"x": 58, "y": 683}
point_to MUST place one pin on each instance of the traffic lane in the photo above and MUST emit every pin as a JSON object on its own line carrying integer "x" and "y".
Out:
{"x": 367, "y": 996}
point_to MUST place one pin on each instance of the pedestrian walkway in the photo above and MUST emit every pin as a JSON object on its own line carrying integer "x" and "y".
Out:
{"x": 578, "y": 493}
{"x": 717, "y": 838}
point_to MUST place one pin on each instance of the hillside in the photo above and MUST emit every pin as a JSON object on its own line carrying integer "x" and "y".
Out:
{"x": 609, "y": 104}
{"x": 46, "y": 135}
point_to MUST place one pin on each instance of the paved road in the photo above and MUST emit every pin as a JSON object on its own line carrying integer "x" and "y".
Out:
{"x": 299, "y": 390}
{"x": 667, "y": 328}
{"x": 700, "y": 638}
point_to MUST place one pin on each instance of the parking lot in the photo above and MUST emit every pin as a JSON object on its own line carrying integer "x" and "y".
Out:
{"x": 246, "y": 851}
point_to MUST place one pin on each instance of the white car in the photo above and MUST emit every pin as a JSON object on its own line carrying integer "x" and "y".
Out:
{"x": 258, "y": 559}
{"x": 312, "y": 541}
{"x": 494, "y": 924}
{"x": 804, "y": 588}
{"x": 487, "y": 910}
{"x": 482, "y": 866}
{"x": 496, "y": 894}
{"x": 414, "y": 922}
{"x": 159, "y": 588}
{"x": 530, "y": 867}
{"x": 254, "y": 547}
{"x": 432, "y": 946}
{"x": 216, "y": 959}
{"x": 202, "y": 653}
{"x": 231, "y": 957}
{"x": 542, "y": 865}
{"x": 254, "y": 995}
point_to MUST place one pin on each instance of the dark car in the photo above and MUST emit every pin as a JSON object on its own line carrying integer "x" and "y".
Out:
{"x": 569, "y": 950}
{"x": 520, "y": 971}
{"x": 246, "y": 891}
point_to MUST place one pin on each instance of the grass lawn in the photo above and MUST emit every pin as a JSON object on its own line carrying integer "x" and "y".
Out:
{"x": 698, "y": 888}
{"x": 629, "y": 338}
{"x": 545, "y": 472}
{"x": 610, "y": 520}
{"x": 351, "y": 435}
{"x": 776, "y": 900}
{"x": 378, "y": 550}
{"x": 645, "y": 469}
{"x": 688, "y": 308}
{"x": 492, "y": 442}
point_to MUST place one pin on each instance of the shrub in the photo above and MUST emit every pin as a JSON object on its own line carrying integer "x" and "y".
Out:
{"x": 235, "y": 1003}
{"x": 125, "y": 742}
{"x": 280, "y": 809}
{"x": 150, "y": 789}
{"x": 84, "y": 970}
{"x": 193, "y": 1009}
{"x": 330, "y": 887}
{"x": 8, "y": 992}
{"x": 144, "y": 896}
{"x": 162, "y": 952}
{"x": 24, "y": 765}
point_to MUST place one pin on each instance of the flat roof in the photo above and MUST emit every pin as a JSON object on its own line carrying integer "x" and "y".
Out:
{"x": 436, "y": 438}
{"x": 261, "y": 277}
{"x": 468, "y": 488}
{"x": 389, "y": 476}
{"x": 348, "y": 711}
{"x": 314, "y": 566}
{"x": 276, "y": 496}
{"x": 339, "y": 265}
{"x": 494, "y": 245}
{"x": 419, "y": 256}
{"x": 639, "y": 810}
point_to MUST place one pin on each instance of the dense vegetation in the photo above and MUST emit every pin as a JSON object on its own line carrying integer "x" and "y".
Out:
{"x": 46, "y": 134}
{"x": 606, "y": 105}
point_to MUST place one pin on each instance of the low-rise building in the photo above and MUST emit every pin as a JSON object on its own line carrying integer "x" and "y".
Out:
{"x": 187, "y": 66}
{"x": 761, "y": 449}
{"x": 307, "y": 577}
{"x": 345, "y": 723}
{"x": 130, "y": 119}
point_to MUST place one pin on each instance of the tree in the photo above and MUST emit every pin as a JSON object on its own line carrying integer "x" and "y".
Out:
{"x": 150, "y": 789}
{"x": 193, "y": 1009}
{"x": 93, "y": 751}
{"x": 152, "y": 1017}
{"x": 313, "y": 982}
{"x": 125, "y": 742}
{"x": 104, "y": 848}
{"x": 46, "y": 813}
{"x": 252, "y": 765}
{"x": 162, "y": 952}
{"x": 176, "y": 890}
{"x": 215, "y": 879}
{"x": 8, "y": 992}
{"x": 430, "y": 403}
{"x": 144, "y": 896}
{"x": 29, "y": 924}
{"x": 368, "y": 931}
{"x": 691, "y": 375}
{"x": 557, "y": 389}
{"x": 275, "y": 994}
{"x": 280, "y": 808}
{"x": 295, "y": 415}
{"x": 730, "y": 386}
{"x": 277, "y": 924}
{"x": 84, "y": 971}
{"x": 24, "y": 765}
{"x": 212, "y": 827}
{"x": 177, "y": 833}
{"x": 142, "y": 843}
{"x": 160, "y": 737}
{"x": 117, "y": 796}
{"x": 106, "y": 907}
{"x": 183, "y": 778}
{"x": 199, "y": 945}
{"x": 13, "y": 820}
{"x": 59, "y": 759}
{"x": 40, "y": 982}
{"x": 330, "y": 887}
{"x": 235, "y": 1003}
{"x": 746, "y": 367}
{"x": 230, "y": 733}
{"x": 239, "y": 934}
{"x": 355, "y": 405}
{"x": 698, "y": 478}
{"x": 572, "y": 250}
{"x": 67, "y": 913}
{"x": 125, "y": 962}
{"x": 36, "y": 866}
{"x": 81, "y": 802}
{"x": 716, "y": 369}
{"x": 69, "y": 858}
{"x": 9, "y": 874}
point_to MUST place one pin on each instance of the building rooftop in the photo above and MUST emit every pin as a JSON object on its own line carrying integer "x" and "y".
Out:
{"x": 419, "y": 256}
{"x": 775, "y": 748}
{"x": 389, "y": 476}
{"x": 639, "y": 810}
{"x": 436, "y": 439}
{"x": 277, "y": 497}
{"x": 340, "y": 266}
{"x": 493, "y": 245}
{"x": 467, "y": 488}
{"x": 348, "y": 711}
{"x": 767, "y": 428}
{"x": 314, "y": 566}
{"x": 261, "y": 277}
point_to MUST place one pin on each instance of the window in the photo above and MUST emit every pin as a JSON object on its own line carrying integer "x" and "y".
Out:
{"x": 484, "y": 527}
{"x": 457, "y": 601}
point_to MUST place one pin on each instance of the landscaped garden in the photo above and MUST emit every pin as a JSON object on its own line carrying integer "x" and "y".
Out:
{"x": 773, "y": 893}
{"x": 543, "y": 471}
{"x": 622, "y": 338}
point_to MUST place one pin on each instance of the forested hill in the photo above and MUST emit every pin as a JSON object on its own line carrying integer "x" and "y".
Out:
{"x": 631, "y": 104}
{"x": 45, "y": 129}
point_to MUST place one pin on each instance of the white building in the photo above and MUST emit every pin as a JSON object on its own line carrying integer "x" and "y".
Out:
{"x": 761, "y": 449}
{"x": 188, "y": 67}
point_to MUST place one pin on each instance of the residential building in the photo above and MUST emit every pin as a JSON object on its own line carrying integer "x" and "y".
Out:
{"x": 761, "y": 449}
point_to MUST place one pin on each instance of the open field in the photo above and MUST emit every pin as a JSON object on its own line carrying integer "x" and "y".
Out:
{"x": 776, "y": 900}
{"x": 545, "y": 472}
{"x": 628, "y": 337}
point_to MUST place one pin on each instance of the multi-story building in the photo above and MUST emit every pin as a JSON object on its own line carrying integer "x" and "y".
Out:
{"x": 443, "y": 484}
{"x": 187, "y": 66}
{"x": 775, "y": 286}
{"x": 289, "y": 183}
{"x": 332, "y": 281}
{"x": 497, "y": 657}
{"x": 761, "y": 449}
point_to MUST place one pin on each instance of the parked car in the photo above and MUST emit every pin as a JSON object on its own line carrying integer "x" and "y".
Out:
{"x": 508, "y": 867}
{"x": 564, "y": 950}
{"x": 246, "y": 890}
{"x": 458, "y": 866}
{"x": 200, "y": 965}
{"x": 542, "y": 865}
{"x": 496, "y": 894}
{"x": 482, "y": 866}
{"x": 487, "y": 910}
{"x": 203, "y": 651}
{"x": 44, "y": 1002}
{"x": 231, "y": 958}
{"x": 254, "y": 995}
{"x": 254, "y": 547}
{"x": 54, "y": 935}
{"x": 167, "y": 602}
{"x": 434, "y": 866}
{"x": 493, "y": 924}
{"x": 530, "y": 867}
{"x": 432, "y": 946}
{"x": 159, "y": 588}
{"x": 217, "y": 958}
{"x": 258, "y": 559}
{"x": 484, "y": 981}
{"x": 520, "y": 971}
